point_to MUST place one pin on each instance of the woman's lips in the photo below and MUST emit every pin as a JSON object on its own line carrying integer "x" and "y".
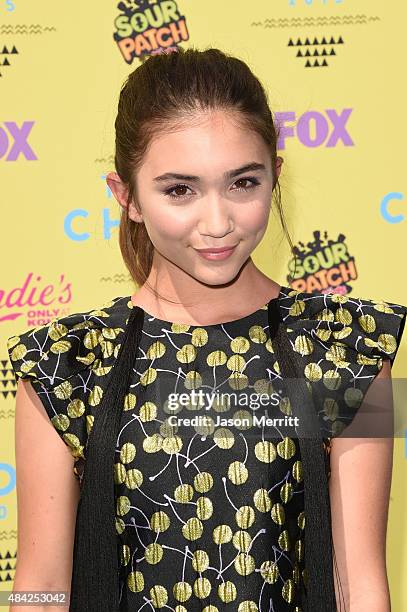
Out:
{"x": 216, "y": 254}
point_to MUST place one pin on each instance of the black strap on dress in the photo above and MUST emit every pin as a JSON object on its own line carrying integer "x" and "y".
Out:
{"x": 95, "y": 573}
{"x": 320, "y": 593}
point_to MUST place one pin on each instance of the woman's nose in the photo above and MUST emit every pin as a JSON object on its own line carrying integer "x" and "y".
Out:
{"x": 216, "y": 218}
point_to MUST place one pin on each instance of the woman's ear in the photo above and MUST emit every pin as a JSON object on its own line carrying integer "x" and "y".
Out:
{"x": 279, "y": 163}
{"x": 121, "y": 192}
{"x": 277, "y": 170}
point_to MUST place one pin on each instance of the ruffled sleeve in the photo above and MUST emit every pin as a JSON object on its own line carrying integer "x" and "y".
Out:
{"x": 67, "y": 362}
{"x": 341, "y": 342}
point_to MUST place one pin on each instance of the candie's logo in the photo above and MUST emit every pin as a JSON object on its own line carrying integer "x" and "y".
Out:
{"x": 322, "y": 266}
{"x": 148, "y": 27}
{"x": 36, "y": 299}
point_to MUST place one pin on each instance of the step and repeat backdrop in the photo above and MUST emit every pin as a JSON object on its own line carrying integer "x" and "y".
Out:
{"x": 332, "y": 71}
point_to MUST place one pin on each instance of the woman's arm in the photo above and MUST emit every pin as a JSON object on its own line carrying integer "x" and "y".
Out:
{"x": 360, "y": 484}
{"x": 47, "y": 500}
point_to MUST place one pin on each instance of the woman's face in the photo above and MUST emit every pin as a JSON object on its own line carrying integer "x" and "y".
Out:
{"x": 207, "y": 185}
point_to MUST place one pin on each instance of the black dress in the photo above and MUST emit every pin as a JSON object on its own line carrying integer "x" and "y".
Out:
{"x": 210, "y": 513}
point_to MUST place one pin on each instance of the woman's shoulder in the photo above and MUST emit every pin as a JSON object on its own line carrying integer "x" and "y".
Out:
{"x": 53, "y": 352}
{"x": 340, "y": 342}
{"x": 373, "y": 328}
{"x": 68, "y": 362}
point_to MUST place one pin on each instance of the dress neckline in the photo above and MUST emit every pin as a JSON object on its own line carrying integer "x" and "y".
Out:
{"x": 264, "y": 307}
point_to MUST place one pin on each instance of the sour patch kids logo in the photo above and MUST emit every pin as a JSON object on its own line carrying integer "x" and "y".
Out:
{"x": 148, "y": 27}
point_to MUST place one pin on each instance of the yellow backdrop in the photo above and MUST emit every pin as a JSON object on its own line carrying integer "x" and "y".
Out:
{"x": 333, "y": 77}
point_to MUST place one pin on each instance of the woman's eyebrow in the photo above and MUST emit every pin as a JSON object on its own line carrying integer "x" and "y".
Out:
{"x": 252, "y": 166}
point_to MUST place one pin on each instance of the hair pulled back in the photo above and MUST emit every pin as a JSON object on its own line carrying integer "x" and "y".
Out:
{"x": 166, "y": 90}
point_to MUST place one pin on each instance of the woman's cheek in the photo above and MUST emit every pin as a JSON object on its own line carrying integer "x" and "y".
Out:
{"x": 254, "y": 219}
{"x": 167, "y": 231}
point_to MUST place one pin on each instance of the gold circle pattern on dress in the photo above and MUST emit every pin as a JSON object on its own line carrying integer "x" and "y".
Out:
{"x": 209, "y": 517}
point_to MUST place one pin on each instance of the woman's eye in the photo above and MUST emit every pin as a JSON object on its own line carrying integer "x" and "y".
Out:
{"x": 169, "y": 191}
{"x": 253, "y": 180}
{"x": 181, "y": 187}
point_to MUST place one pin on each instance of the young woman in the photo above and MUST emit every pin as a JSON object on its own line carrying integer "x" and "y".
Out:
{"x": 231, "y": 511}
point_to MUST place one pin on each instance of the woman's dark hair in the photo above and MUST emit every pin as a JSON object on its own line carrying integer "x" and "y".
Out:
{"x": 167, "y": 90}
